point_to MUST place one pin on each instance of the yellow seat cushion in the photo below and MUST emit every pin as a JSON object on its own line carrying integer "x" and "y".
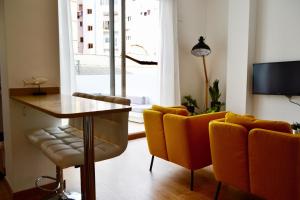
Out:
{"x": 249, "y": 122}
{"x": 170, "y": 110}
{"x": 244, "y": 120}
{"x": 272, "y": 125}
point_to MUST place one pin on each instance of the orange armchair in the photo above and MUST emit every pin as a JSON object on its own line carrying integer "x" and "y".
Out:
{"x": 256, "y": 160}
{"x": 274, "y": 164}
{"x": 178, "y": 138}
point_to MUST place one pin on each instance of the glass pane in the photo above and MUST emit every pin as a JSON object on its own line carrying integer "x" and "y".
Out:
{"x": 118, "y": 46}
{"x": 142, "y": 43}
{"x": 142, "y": 31}
{"x": 90, "y": 26}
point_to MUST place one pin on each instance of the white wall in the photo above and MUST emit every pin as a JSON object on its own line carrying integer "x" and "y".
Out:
{"x": 2, "y": 34}
{"x": 191, "y": 25}
{"x": 217, "y": 33}
{"x": 32, "y": 37}
{"x": 31, "y": 49}
{"x": 1, "y": 57}
{"x": 277, "y": 39}
{"x": 240, "y": 55}
{"x": 4, "y": 91}
{"x": 196, "y": 18}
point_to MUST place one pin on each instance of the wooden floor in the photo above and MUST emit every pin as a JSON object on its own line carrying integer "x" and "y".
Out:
{"x": 4, "y": 191}
{"x": 127, "y": 178}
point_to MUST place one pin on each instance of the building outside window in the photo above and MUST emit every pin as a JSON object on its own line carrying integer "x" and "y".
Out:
{"x": 106, "y": 40}
{"x": 106, "y": 25}
{"x": 90, "y": 45}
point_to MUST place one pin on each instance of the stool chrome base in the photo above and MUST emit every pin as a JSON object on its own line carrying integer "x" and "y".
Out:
{"x": 67, "y": 196}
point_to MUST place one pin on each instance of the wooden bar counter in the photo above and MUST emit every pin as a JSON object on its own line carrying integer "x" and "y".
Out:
{"x": 67, "y": 106}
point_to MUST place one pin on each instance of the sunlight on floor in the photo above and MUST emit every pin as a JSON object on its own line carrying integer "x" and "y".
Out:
{"x": 134, "y": 127}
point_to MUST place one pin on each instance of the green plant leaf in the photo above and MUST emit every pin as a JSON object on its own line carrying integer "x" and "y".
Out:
{"x": 190, "y": 104}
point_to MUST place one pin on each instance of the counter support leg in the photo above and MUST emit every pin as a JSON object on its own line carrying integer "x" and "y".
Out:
{"x": 89, "y": 164}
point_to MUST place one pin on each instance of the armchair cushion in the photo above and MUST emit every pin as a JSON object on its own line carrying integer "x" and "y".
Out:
{"x": 244, "y": 120}
{"x": 171, "y": 110}
{"x": 272, "y": 125}
{"x": 250, "y": 122}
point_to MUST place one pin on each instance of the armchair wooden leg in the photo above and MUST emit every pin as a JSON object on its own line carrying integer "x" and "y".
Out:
{"x": 151, "y": 164}
{"x": 218, "y": 190}
{"x": 192, "y": 180}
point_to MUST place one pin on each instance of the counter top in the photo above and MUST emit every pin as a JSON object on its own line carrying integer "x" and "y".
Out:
{"x": 67, "y": 106}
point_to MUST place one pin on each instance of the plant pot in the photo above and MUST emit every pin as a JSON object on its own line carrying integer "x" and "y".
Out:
{"x": 191, "y": 109}
{"x": 216, "y": 105}
{"x": 297, "y": 131}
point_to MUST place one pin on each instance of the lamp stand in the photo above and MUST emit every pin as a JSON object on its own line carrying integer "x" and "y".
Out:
{"x": 206, "y": 83}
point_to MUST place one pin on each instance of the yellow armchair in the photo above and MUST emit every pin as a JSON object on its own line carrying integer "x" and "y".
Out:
{"x": 255, "y": 157}
{"x": 274, "y": 164}
{"x": 179, "y": 138}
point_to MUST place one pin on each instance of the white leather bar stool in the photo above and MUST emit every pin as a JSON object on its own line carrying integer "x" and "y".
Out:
{"x": 64, "y": 145}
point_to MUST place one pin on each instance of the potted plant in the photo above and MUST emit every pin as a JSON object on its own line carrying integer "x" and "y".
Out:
{"x": 214, "y": 92}
{"x": 190, "y": 104}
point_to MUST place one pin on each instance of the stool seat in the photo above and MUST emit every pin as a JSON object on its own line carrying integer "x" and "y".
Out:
{"x": 64, "y": 146}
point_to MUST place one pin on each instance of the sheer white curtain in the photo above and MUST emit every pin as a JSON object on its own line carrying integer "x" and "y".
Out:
{"x": 168, "y": 58}
{"x": 67, "y": 69}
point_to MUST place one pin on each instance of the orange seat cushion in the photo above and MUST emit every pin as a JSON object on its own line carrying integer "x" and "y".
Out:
{"x": 169, "y": 110}
{"x": 249, "y": 122}
{"x": 272, "y": 125}
{"x": 243, "y": 120}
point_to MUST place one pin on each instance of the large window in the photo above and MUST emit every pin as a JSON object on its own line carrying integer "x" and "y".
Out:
{"x": 91, "y": 46}
{"x": 142, "y": 44}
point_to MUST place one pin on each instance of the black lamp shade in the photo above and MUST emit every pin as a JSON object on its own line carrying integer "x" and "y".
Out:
{"x": 201, "y": 49}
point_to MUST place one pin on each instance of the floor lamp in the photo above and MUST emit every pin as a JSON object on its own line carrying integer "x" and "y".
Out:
{"x": 201, "y": 50}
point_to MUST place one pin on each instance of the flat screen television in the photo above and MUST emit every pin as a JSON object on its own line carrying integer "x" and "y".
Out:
{"x": 279, "y": 78}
